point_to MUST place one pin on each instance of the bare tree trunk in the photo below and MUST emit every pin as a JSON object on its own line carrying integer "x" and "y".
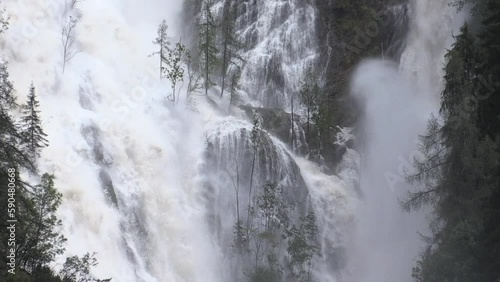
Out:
{"x": 206, "y": 59}
{"x": 161, "y": 60}
{"x": 250, "y": 190}
{"x": 308, "y": 122}
{"x": 224, "y": 62}
{"x": 293, "y": 128}
{"x": 68, "y": 41}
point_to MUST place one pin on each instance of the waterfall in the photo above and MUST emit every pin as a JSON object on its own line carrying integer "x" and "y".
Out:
{"x": 280, "y": 44}
{"x": 397, "y": 101}
{"x": 150, "y": 187}
{"x": 126, "y": 163}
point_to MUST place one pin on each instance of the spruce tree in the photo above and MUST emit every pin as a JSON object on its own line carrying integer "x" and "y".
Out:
{"x": 7, "y": 100}
{"x": 490, "y": 43}
{"x": 11, "y": 154}
{"x": 460, "y": 178}
{"x": 230, "y": 44}
{"x": 163, "y": 43}
{"x": 34, "y": 136}
{"x": 207, "y": 44}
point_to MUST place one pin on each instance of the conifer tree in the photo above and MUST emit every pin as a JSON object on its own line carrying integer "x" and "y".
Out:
{"x": 163, "y": 43}
{"x": 309, "y": 93}
{"x": 7, "y": 101}
{"x": 255, "y": 138}
{"x": 230, "y": 44}
{"x": 460, "y": 178}
{"x": 489, "y": 114}
{"x": 40, "y": 240}
{"x": 35, "y": 138}
{"x": 208, "y": 48}
{"x": 11, "y": 155}
{"x": 4, "y": 23}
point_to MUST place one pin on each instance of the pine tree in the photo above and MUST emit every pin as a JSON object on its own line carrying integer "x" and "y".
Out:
{"x": 7, "y": 101}
{"x": 460, "y": 178}
{"x": 35, "y": 138}
{"x": 11, "y": 155}
{"x": 445, "y": 140}
{"x": 230, "y": 44}
{"x": 489, "y": 113}
{"x": 208, "y": 48}
{"x": 163, "y": 43}
{"x": 12, "y": 159}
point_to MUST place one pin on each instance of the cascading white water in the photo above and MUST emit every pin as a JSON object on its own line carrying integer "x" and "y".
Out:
{"x": 130, "y": 166}
{"x": 279, "y": 45}
{"x": 125, "y": 161}
{"x": 397, "y": 102}
{"x": 140, "y": 187}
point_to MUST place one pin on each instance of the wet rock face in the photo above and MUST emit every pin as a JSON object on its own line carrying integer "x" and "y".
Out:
{"x": 370, "y": 25}
{"x": 275, "y": 121}
{"x": 102, "y": 159}
{"x": 278, "y": 123}
{"x": 347, "y": 33}
{"x": 278, "y": 45}
{"x": 236, "y": 174}
{"x": 231, "y": 155}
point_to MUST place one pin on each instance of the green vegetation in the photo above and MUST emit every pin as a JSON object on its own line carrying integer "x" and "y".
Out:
{"x": 173, "y": 62}
{"x": 163, "y": 43}
{"x": 174, "y": 69}
{"x": 461, "y": 169}
{"x": 207, "y": 44}
{"x": 350, "y": 31}
{"x": 230, "y": 44}
{"x": 271, "y": 232}
{"x": 38, "y": 238}
{"x": 32, "y": 131}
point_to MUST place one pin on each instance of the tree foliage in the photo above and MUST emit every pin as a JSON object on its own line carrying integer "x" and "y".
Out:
{"x": 77, "y": 269}
{"x": 309, "y": 93}
{"x": 230, "y": 45}
{"x": 38, "y": 230}
{"x": 174, "y": 69}
{"x": 207, "y": 44}
{"x": 163, "y": 42}
{"x": 460, "y": 172}
{"x": 33, "y": 134}
{"x": 271, "y": 232}
{"x": 41, "y": 228}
